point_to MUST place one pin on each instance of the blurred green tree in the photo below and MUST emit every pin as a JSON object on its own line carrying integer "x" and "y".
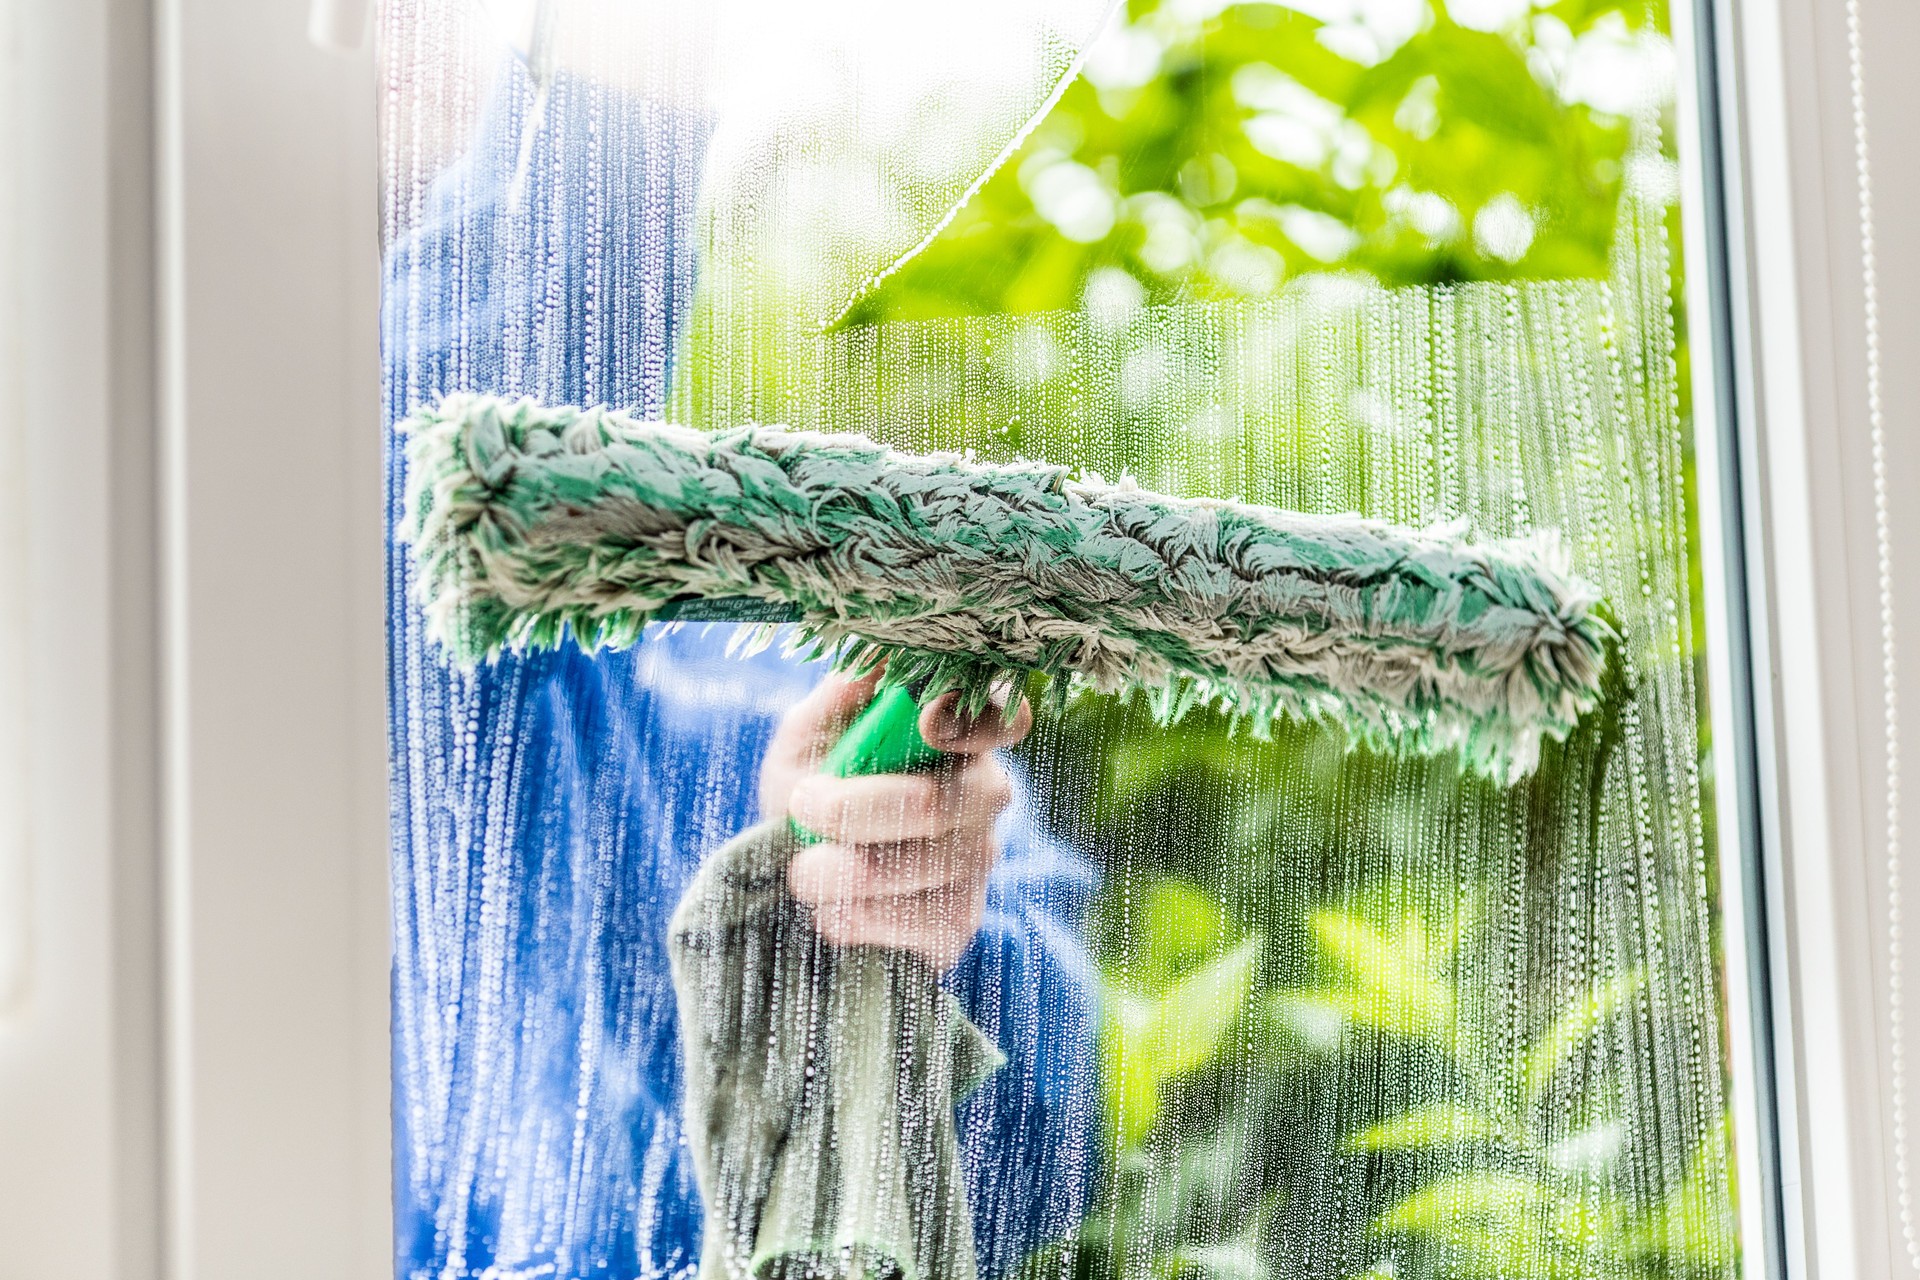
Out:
{"x": 1214, "y": 150}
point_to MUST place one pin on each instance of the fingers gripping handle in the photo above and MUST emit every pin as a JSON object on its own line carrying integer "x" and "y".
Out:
{"x": 883, "y": 738}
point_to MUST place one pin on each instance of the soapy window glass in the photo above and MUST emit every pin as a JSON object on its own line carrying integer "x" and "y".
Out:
{"x": 1297, "y": 1005}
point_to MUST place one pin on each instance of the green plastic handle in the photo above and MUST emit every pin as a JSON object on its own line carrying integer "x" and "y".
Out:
{"x": 883, "y": 738}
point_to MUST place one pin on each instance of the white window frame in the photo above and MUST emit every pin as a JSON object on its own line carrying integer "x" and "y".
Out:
{"x": 196, "y": 1086}
{"x": 1772, "y": 212}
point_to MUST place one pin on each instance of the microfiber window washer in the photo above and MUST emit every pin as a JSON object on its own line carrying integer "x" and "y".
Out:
{"x": 539, "y": 526}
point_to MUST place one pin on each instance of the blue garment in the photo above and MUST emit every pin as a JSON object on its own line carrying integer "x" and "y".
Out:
{"x": 548, "y": 810}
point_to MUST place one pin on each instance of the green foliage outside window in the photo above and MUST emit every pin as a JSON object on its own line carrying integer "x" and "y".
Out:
{"x": 1218, "y": 156}
{"x": 1215, "y": 152}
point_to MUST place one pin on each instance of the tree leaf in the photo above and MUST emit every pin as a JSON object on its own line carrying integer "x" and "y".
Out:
{"x": 1131, "y": 1076}
{"x": 1397, "y": 986}
{"x": 1182, "y": 927}
{"x": 1196, "y": 1011}
{"x": 1490, "y": 1223}
{"x": 1437, "y": 1124}
{"x": 1227, "y": 1260}
{"x": 1151, "y": 1040}
{"x": 1546, "y": 1055}
{"x": 1463, "y": 1202}
{"x": 1592, "y": 1150}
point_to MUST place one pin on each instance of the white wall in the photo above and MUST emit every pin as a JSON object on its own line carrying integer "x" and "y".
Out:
{"x": 193, "y": 1080}
{"x": 76, "y": 1012}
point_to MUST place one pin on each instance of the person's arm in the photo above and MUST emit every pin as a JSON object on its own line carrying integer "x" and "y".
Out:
{"x": 952, "y": 866}
{"x": 905, "y": 858}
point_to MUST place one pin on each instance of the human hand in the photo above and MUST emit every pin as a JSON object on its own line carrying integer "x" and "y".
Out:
{"x": 904, "y": 858}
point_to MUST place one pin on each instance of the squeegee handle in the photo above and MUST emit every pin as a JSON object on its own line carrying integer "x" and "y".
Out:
{"x": 884, "y": 738}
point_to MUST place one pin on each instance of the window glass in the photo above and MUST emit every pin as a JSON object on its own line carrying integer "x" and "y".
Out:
{"x": 1299, "y": 1003}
